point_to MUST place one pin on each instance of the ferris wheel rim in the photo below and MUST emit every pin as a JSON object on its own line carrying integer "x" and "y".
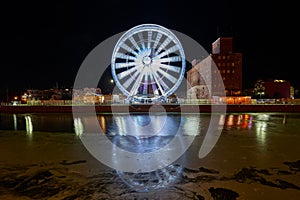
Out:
{"x": 158, "y": 29}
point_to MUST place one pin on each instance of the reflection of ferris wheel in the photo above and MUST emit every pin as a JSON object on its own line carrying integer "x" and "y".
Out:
{"x": 148, "y": 62}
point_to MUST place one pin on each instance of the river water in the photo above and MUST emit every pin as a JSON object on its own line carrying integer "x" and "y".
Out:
{"x": 44, "y": 156}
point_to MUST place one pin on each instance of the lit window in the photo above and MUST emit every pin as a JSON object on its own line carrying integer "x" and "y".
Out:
{"x": 228, "y": 71}
{"x": 219, "y": 57}
{"x": 232, "y": 64}
{"x": 224, "y": 57}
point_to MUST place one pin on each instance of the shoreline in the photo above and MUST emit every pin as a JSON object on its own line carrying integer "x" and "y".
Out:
{"x": 177, "y": 108}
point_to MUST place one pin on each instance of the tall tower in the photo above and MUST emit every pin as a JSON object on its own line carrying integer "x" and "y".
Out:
{"x": 229, "y": 65}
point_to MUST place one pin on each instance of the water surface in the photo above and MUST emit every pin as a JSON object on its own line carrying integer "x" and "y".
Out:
{"x": 256, "y": 157}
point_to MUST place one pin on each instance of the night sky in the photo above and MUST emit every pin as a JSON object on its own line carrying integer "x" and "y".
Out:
{"x": 44, "y": 43}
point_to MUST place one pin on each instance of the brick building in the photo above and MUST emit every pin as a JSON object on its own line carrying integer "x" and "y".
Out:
{"x": 222, "y": 60}
{"x": 229, "y": 64}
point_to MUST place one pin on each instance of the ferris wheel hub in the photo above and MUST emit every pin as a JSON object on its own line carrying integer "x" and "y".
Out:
{"x": 147, "y": 60}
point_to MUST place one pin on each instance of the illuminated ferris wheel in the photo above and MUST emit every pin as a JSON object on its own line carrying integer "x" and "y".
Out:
{"x": 148, "y": 63}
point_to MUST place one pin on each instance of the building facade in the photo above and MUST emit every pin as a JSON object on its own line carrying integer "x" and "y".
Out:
{"x": 197, "y": 87}
{"x": 229, "y": 64}
{"x": 275, "y": 89}
{"x": 220, "y": 70}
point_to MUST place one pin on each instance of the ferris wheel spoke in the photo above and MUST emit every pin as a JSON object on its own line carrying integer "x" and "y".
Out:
{"x": 163, "y": 45}
{"x": 170, "y": 59}
{"x": 142, "y": 40}
{"x": 156, "y": 77}
{"x": 128, "y": 49}
{"x": 132, "y": 78}
{"x": 158, "y": 37}
{"x": 149, "y": 39}
{"x": 127, "y": 72}
{"x": 128, "y": 82}
{"x": 170, "y": 67}
{"x": 164, "y": 86}
{"x": 124, "y": 56}
{"x": 168, "y": 76}
{"x": 168, "y": 51}
{"x": 137, "y": 83}
{"x": 135, "y": 44}
{"x": 123, "y": 65}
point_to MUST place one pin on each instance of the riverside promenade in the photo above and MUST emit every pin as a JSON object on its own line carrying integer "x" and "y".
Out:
{"x": 125, "y": 108}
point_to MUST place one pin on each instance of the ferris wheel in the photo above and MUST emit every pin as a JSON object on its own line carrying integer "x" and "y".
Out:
{"x": 148, "y": 62}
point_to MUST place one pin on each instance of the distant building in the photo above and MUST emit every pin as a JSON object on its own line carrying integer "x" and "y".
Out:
{"x": 37, "y": 96}
{"x": 223, "y": 45}
{"x": 197, "y": 87}
{"x": 202, "y": 77}
{"x": 229, "y": 65}
{"x": 87, "y": 95}
{"x": 275, "y": 89}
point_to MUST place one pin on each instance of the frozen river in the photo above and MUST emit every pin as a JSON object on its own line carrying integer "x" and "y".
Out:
{"x": 256, "y": 156}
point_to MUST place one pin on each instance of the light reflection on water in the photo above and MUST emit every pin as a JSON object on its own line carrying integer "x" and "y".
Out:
{"x": 129, "y": 132}
{"x": 132, "y": 131}
{"x": 29, "y": 126}
{"x": 143, "y": 133}
{"x": 261, "y": 124}
{"x": 238, "y": 121}
{"x": 66, "y": 123}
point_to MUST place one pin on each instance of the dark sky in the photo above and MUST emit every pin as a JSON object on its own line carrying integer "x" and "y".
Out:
{"x": 43, "y": 43}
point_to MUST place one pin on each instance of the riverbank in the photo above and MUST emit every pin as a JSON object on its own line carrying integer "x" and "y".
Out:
{"x": 124, "y": 108}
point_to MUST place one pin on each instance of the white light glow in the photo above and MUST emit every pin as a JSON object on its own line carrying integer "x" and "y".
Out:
{"x": 29, "y": 126}
{"x": 78, "y": 126}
